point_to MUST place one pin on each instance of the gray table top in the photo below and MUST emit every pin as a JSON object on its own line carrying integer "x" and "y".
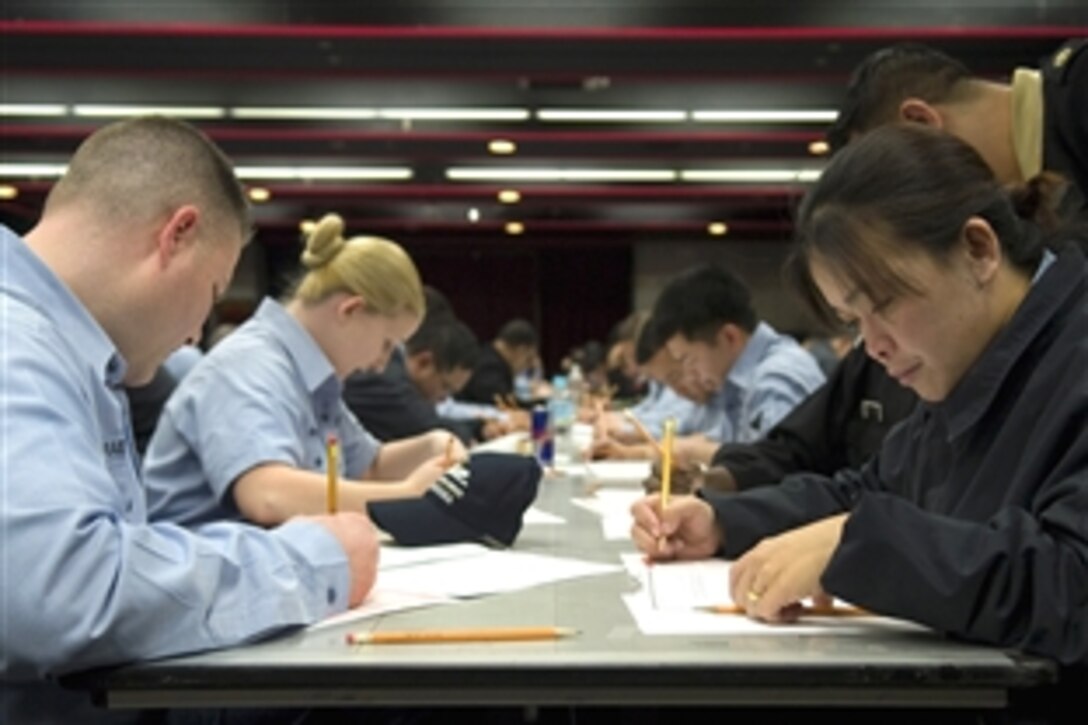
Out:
{"x": 609, "y": 662}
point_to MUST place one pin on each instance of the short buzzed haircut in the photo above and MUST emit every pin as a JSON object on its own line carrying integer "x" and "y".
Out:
{"x": 149, "y": 166}
{"x": 888, "y": 77}
{"x": 518, "y": 333}
{"x": 450, "y": 341}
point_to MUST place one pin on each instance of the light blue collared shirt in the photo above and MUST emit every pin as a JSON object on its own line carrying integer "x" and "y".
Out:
{"x": 772, "y": 375}
{"x": 661, "y": 403}
{"x": 86, "y": 579}
{"x": 265, "y": 394}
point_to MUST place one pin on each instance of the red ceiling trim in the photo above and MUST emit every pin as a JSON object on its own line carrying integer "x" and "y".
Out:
{"x": 685, "y": 34}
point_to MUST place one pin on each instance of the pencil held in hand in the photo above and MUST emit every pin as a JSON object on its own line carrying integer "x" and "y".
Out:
{"x": 482, "y": 634}
{"x": 332, "y": 471}
{"x": 666, "y": 462}
{"x": 642, "y": 430}
{"x": 806, "y": 611}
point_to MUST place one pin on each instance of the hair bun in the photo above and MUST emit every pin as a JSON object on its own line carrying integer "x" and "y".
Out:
{"x": 1038, "y": 199}
{"x": 324, "y": 242}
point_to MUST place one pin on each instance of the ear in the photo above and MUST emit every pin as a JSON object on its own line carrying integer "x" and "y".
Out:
{"x": 349, "y": 305}
{"x": 728, "y": 335}
{"x": 177, "y": 234}
{"x": 982, "y": 250}
{"x": 915, "y": 110}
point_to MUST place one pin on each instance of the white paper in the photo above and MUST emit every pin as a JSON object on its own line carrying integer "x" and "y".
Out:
{"x": 613, "y": 505}
{"x": 618, "y": 473}
{"x": 397, "y": 556}
{"x": 671, "y": 593}
{"x": 495, "y": 571}
{"x": 381, "y": 601}
{"x": 534, "y": 516}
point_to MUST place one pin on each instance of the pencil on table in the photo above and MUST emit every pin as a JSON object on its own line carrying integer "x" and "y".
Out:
{"x": 332, "y": 472}
{"x": 642, "y": 430}
{"x": 482, "y": 634}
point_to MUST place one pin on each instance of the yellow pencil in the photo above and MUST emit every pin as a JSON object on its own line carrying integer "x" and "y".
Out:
{"x": 666, "y": 462}
{"x": 480, "y": 634}
{"x": 642, "y": 430}
{"x": 332, "y": 471}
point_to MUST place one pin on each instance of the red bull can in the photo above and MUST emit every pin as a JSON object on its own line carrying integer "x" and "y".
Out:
{"x": 543, "y": 442}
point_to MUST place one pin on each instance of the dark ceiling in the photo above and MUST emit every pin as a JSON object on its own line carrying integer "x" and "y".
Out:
{"x": 665, "y": 55}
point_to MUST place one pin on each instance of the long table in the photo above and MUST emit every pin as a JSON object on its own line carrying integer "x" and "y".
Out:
{"x": 610, "y": 662}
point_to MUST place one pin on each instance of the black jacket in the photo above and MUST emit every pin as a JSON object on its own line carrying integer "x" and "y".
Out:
{"x": 492, "y": 376}
{"x": 841, "y": 425}
{"x": 973, "y": 517}
{"x": 1065, "y": 122}
{"x": 390, "y": 407}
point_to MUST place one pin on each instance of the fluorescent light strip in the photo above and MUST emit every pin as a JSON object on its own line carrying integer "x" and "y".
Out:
{"x": 33, "y": 109}
{"x": 507, "y": 174}
{"x": 748, "y": 176}
{"x": 29, "y": 171}
{"x": 323, "y": 173}
{"x": 811, "y": 116}
{"x": 118, "y": 111}
{"x": 272, "y": 113}
{"x": 576, "y": 115}
{"x": 454, "y": 114}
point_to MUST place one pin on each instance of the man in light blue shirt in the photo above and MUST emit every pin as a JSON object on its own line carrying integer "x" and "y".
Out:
{"x": 135, "y": 243}
{"x": 706, "y": 317}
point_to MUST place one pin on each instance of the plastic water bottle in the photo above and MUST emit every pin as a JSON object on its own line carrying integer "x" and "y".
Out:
{"x": 561, "y": 411}
{"x": 576, "y": 384}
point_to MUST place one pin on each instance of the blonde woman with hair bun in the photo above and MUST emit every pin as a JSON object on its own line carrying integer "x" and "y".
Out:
{"x": 245, "y": 433}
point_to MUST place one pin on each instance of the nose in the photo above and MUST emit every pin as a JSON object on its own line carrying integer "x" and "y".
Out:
{"x": 878, "y": 344}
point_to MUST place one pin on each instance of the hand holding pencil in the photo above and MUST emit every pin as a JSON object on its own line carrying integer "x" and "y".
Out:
{"x": 685, "y": 529}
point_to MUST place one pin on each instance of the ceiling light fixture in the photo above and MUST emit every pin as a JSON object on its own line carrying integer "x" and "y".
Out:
{"x": 273, "y": 113}
{"x": 259, "y": 194}
{"x": 32, "y": 109}
{"x": 769, "y": 116}
{"x": 752, "y": 176}
{"x": 8, "y": 192}
{"x": 819, "y": 148}
{"x": 576, "y": 115}
{"x": 323, "y": 173}
{"x": 717, "y": 229}
{"x": 30, "y": 171}
{"x": 547, "y": 174}
{"x": 122, "y": 111}
{"x": 509, "y": 196}
{"x": 502, "y": 147}
{"x": 454, "y": 114}
{"x": 514, "y": 228}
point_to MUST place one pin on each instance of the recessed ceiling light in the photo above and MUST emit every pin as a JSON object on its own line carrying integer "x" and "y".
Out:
{"x": 502, "y": 147}
{"x": 509, "y": 196}
{"x": 307, "y": 226}
{"x": 752, "y": 176}
{"x": 323, "y": 173}
{"x": 454, "y": 114}
{"x": 514, "y": 228}
{"x": 473, "y": 215}
{"x": 25, "y": 171}
{"x": 272, "y": 113}
{"x": 259, "y": 194}
{"x": 717, "y": 229}
{"x": 8, "y": 192}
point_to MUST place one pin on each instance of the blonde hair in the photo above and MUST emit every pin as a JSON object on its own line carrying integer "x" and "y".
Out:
{"x": 376, "y": 269}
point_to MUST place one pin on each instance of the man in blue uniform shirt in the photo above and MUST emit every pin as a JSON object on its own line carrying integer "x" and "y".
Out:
{"x": 135, "y": 243}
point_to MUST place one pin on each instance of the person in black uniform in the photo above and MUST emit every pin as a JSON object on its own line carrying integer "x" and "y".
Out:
{"x": 513, "y": 351}
{"x": 1035, "y": 123}
{"x": 971, "y": 518}
{"x": 399, "y": 402}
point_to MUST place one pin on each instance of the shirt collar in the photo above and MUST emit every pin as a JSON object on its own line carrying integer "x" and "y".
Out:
{"x": 975, "y": 393}
{"x": 313, "y": 366}
{"x": 1027, "y": 121}
{"x": 741, "y": 374}
{"x": 26, "y": 277}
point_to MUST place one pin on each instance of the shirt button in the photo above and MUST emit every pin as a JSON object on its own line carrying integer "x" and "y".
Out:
{"x": 317, "y": 462}
{"x": 330, "y": 595}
